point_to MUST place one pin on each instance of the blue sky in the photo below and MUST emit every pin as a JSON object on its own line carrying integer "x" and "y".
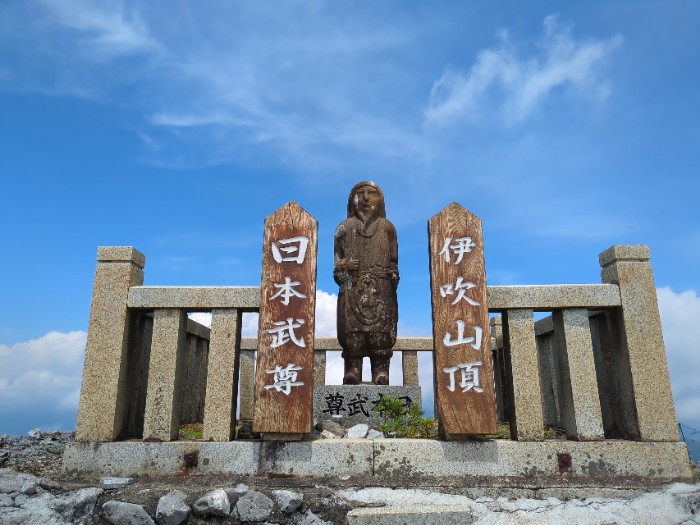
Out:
{"x": 567, "y": 127}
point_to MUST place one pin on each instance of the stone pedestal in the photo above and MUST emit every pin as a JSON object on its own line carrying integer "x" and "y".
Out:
{"x": 353, "y": 404}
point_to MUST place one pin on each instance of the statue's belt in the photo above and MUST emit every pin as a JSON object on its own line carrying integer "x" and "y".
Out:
{"x": 381, "y": 273}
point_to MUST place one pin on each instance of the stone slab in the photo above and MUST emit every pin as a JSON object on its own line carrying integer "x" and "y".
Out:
{"x": 424, "y": 515}
{"x": 554, "y": 296}
{"x": 136, "y": 458}
{"x": 322, "y": 457}
{"x": 343, "y": 400}
{"x": 195, "y": 298}
{"x": 415, "y": 457}
{"x": 405, "y": 461}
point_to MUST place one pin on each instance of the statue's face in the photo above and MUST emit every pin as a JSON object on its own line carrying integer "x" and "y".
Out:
{"x": 366, "y": 201}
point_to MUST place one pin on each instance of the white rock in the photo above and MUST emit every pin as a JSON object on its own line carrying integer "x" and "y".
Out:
{"x": 308, "y": 518}
{"x": 110, "y": 482}
{"x": 328, "y": 435}
{"x": 172, "y": 509}
{"x": 121, "y": 513}
{"x": 332, "y": 427}
{"x": 47, "y": 509}
{"x": 240, "y": 489}
{"x": 34, "y": 433}
{"x": 374, "y": 434}
{"x": 358, "y": 431}
{"x": 76, "y": 506}
{"x": 213, "y": 503}
{"x": 287, "y": 500}
{"x": 15, "y": 516}
{"x": 254, "y": 506}
{"x": 11, "y": 481}
{"x": 20, "y": 499}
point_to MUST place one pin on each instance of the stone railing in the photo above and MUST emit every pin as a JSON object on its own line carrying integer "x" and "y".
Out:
{"x": 595, "y": 367}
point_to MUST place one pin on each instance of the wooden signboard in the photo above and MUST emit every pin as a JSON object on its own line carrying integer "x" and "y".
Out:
{"x": 464, "y": 394}
{"x": 284, "y": 376}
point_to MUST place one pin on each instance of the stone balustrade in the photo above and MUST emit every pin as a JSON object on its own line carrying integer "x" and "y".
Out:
{"x": 595, "y": 367}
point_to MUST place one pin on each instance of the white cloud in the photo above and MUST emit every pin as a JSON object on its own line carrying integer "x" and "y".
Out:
{"x": 516, "y": 86}
{"x": 326, "y": 307}
{"x": 680, "y": 318}
{"x": 41, "y": 379}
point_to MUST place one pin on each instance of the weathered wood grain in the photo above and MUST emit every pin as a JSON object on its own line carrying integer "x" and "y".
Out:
{"x": 287, "y": 407}
{"x": 465, "y": 403}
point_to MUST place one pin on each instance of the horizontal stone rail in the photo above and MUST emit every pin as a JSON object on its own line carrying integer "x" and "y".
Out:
{"x": 195, "y": 298}
{"x": 329, "y": 344}
{"x": 543, "y": 298}
{"x": 247, "y": 298}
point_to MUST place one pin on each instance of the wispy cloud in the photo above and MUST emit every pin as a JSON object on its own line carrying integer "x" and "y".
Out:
{"x": 336, "y": 94}
{"x": 515, "y": 86}
{"x": 107, "y": 30}
{"x": 236, "y": 82}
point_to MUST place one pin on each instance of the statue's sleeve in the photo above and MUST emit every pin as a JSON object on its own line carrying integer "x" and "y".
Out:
{"x": 340, "y": 275}
{"x": 394, "y": 253}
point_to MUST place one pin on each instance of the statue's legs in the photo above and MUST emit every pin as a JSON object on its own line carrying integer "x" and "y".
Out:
{"x": 380, "y": 370}
{"x": 353, "y": 354}
{"x": 380, "y": 354}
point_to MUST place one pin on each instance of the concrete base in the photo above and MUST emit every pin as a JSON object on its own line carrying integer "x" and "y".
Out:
{"x": 403, "y": 461}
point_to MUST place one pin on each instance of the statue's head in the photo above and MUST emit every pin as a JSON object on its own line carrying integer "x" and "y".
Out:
{"x": 366, "y": 200}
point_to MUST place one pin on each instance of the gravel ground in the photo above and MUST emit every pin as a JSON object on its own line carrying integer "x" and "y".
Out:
{"x": 39, "y": 453}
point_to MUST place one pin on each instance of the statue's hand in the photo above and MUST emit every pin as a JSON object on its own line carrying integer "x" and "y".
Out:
{"x": 352, "y": 264}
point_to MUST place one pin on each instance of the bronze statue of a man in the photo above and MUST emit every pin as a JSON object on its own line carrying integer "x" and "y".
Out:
{"x": 366, "y": 269}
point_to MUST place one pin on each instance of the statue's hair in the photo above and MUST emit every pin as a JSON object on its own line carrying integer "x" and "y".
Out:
{"x": 381, "y": 209}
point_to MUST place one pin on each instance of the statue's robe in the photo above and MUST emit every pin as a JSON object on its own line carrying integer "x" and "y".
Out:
{"x": 367, "y": 298}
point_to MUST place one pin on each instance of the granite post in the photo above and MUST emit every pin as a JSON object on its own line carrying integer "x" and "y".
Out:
{"x": 580, "y": 411}
{"x": 247, "y": 383}
{"x": 319, "y": 368}
{"x": 550, "y": 371}
{"x": 104, "y": 391}
{"x": 525, "y": 374}
{"x": 639, "y": 338}
{"x": 222, "y": 376}
{"x": 409, "y": 365}
{"x": 165, "y": 375}
{"x": 499, "y": 375}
